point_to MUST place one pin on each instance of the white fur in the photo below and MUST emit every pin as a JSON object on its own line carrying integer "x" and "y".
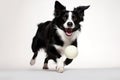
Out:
{"x": 67, "y": 41}
{"x": 32, "y": 62}
{"x": 60, "y": 64}
{"x": 69, "y": 20}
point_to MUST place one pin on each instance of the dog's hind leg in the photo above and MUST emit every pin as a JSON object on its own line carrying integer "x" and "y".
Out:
{"x": 32, "y": 62}
{"x": 35, "y": 49}
{"x": 46, "y": 63}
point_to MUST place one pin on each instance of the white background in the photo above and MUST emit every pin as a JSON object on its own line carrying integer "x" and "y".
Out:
{"x": 99, "y": 40}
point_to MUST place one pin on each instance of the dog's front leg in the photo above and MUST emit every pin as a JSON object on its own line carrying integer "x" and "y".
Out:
{"x": 60, "y": 64}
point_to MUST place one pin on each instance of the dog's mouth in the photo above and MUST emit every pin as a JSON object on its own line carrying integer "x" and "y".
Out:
{"x": 68, "y": 31}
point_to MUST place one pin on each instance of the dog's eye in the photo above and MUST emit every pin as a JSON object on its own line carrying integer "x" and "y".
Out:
{"x": 65, "y": 17}
{"x": 74, "y": 18}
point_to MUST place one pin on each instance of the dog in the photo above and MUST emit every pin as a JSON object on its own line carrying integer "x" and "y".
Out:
{"x": 55, "y": 35}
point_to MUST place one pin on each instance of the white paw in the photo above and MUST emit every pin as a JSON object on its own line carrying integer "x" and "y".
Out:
{"x": 60, "y": 69}
{"x": 32, "y": 62}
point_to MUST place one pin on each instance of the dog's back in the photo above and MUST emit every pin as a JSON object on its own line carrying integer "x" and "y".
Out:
{"x": 39, "y": 38}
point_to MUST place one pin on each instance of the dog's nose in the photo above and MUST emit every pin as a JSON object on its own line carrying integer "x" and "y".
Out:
{"x": 69, "y": 24}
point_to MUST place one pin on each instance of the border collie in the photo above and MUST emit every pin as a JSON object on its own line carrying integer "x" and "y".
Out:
{"x": 54, "y": 36}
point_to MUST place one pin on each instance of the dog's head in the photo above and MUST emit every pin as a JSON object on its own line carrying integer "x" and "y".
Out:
{"x": 66, "y": 20}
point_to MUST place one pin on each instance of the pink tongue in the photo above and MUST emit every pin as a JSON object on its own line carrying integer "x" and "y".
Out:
{"x": 68, "y": 34}
{"x": 68, "y": 31}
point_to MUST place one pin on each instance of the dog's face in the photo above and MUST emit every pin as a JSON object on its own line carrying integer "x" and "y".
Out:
{"x": 66, "y": 20}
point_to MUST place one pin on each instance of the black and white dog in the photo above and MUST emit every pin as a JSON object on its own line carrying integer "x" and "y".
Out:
{"x": 54, "y": 36}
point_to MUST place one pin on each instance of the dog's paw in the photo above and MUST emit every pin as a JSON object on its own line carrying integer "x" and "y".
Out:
{"x": 32, "y": 62}
{"x": 45, "y": 66}
{"x": 60, "y": 69}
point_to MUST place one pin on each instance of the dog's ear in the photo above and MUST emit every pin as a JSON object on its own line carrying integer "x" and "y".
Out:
{"x": 81, "y": 9}
{"x": 58, "y": 8}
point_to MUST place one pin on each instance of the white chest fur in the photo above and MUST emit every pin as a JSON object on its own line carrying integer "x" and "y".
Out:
{"x": 66, "y": 39}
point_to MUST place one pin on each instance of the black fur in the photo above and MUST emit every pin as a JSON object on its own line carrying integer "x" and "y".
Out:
{"x": 46, "y": 35}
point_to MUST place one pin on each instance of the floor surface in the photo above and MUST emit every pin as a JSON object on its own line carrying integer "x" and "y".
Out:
{"x": 68, "y": 74}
